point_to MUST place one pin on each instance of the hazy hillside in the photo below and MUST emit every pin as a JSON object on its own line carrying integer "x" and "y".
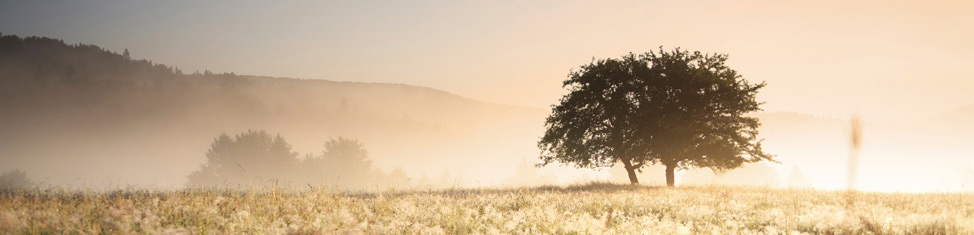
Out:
{"x": 68, "y": 108}
{"x": 80, "y": 115}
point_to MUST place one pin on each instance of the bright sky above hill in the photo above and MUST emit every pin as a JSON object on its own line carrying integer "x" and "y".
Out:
{"x": 894, "y": 61}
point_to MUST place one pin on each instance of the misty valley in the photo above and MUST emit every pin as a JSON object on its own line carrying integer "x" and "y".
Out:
{"x": 665, "y": 142}
{"x": 78, "y": 115}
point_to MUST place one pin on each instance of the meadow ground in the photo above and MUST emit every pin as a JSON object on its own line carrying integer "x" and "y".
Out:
{"x": 585, "y": 209}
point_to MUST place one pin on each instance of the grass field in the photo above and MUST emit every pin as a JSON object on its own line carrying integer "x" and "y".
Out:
{"x": 585, "y": 209}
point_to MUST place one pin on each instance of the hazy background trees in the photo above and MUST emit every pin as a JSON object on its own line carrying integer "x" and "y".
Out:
{"x": 344, "y": 162}
{"x": 797, "y": 179}
{"x": 133, "y": 122}
{"x": 257, "y": 158}
{"x": 252, "y": 157}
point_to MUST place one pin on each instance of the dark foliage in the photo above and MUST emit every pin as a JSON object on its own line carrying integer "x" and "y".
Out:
{"x": 675, "y": 108}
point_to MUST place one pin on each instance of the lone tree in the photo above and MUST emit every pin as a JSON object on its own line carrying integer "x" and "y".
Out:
{"x": 675, "y": 108}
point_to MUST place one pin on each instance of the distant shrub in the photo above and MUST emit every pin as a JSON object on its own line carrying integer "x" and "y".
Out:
{"x": 248, "y": 158}
{"x": 15, "y": 180}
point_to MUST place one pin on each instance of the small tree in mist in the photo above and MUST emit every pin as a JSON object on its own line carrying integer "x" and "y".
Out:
{"x": 249, "y": 157}
{"x": 344, "y": 162}
{"x": 397, "y": 177}
{"x": 676, "y": 108}
{"x": 14, "y": 180}
{"x": 798, "y": 180}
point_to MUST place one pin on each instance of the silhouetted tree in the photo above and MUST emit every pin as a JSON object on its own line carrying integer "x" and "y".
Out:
{"x": 252, "y": 156}
{"x": 594, "y": 125}
{"x": 696, "y": 111}
{"x": 676, "y": 108}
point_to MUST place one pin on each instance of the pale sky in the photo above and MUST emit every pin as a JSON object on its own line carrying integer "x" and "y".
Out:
{"x": 891, "y": 61}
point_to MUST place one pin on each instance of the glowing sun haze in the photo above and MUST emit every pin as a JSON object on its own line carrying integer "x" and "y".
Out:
{"x": 887, "y": 60}
{"x": 896, "y": 64}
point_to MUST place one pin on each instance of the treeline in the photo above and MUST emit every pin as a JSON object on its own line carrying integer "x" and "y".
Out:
{"x": 256, "y": 158}
{"x": 44, "y": 78}
{"x": 51, "y": 61}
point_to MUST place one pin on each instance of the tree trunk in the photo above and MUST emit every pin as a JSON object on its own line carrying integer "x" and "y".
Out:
{"x": 632, "y": 172}
{"x": 670, "y": 181}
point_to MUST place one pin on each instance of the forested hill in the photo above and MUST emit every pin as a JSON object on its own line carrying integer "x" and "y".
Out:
{"x": 81, "y": 114}
{"x": 45, "y": 63}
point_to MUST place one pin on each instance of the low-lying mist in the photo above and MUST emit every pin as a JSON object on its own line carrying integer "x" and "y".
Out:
{"x": 81, "y": 117}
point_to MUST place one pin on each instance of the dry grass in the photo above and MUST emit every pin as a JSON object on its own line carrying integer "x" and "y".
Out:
{"x": 587, "y": 209}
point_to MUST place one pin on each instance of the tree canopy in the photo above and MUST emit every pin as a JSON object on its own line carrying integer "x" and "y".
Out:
{"x": 344, "y": 162}
{"x": 675, "y": 108}
{"x": 248, "y": 157}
